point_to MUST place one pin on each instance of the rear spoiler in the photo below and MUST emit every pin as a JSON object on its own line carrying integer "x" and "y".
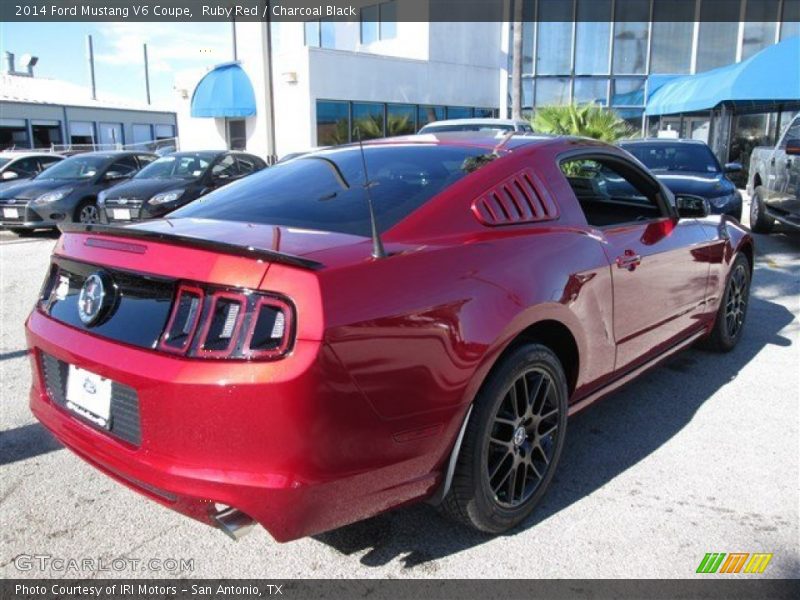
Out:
{"x": 192, "y": 242}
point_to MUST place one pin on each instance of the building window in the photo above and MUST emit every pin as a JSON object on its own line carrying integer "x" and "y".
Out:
{"x": 367, "y": 120}
{"x": 672, "y": 40}
{"x": 790, "y": 25}
{"x": 592, "y": 32}
{"x": 81, "y": 132}
{"x": 379, "y": 22}
{"x": 237, "y": 134}
{"x": 165, "y": 132}
{"x": 320, "y": 33}
{"x": 485, "y": 113}
{"x": 552, "y": 90}
{"x": 631, "y": 37}
{"x": 401, "y": 119}
{"x": 459, "y": 112}
{"x": 627, "y": 91}
{"x": 554, "y": 45}
{"x": 142, "y": 134}
{"x": 333, "y": 123}
{"x": 429, "y": 114}
{"x": 14, "y": 133}
{"x": 46, "y": 133}
{"x": 716, "y": 43}
{"x": 592, "y": 90}
{"x": 761, "y": 19}
{"x": 111, "y": 134}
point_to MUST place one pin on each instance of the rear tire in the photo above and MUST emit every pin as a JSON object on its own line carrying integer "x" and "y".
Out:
{"x": 512, "y": 443}
{"x": 732, "y": 311}
{"x": 760, "y": 221}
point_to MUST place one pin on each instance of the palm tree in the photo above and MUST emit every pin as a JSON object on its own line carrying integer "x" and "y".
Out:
{"x": 587, "y": 120}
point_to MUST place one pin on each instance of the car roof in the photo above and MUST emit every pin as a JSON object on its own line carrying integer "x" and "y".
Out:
{"x": 114, "y": 154}
{"x": 477, "y": 121}
{"x": 26, "y": 154}
{"x": 663, "y": 141}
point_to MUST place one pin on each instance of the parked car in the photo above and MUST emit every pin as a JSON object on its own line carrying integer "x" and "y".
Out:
{"x": 173, "y": 181}
{"x": 67, "y": 191}
{"x": 271, "y": 353}
{"x": 774, "y": 182}
{"x": 690, "y": 167}
{"x": 503, "y": 125}
{"x": 19, "y": 166}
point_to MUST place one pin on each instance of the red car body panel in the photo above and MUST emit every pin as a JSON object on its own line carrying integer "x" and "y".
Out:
{"x": 388, "y": 355}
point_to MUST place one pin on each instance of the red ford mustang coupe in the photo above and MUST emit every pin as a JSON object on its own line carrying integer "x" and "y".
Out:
{"x": 359, "y": 328}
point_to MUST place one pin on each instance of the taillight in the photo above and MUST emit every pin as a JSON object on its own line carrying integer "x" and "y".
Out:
{"x": 182, "y": 320}
{"x": 228, "y": 324}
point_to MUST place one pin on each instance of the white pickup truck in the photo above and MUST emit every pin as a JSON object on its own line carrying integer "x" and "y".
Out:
{"x": 774, "y": 182}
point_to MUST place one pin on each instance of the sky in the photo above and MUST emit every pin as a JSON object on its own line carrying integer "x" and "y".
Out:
{"x": 181, "y": 51}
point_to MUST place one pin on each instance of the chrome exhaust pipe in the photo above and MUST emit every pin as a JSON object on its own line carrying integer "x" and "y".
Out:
{"x": 233, "y": 523}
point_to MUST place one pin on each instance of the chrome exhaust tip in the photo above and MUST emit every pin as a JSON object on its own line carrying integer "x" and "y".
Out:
{"x": 233, "y": 523}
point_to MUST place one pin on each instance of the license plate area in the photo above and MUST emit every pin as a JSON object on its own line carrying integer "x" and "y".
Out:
{"x": 89, "y": 395}
{"x": 11, "y": 213}
{"x": 121, "y": 214}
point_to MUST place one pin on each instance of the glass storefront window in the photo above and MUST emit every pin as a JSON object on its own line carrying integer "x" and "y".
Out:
{"x": 333, "y": 123}
{"x": 367, "y": 120}
{"x": 400, "y": 119}
{"x": 311, "y": 33}
{"x": 592, "y": 33}
{"x": 671, "y": 51}
{"x": 552, "y": 90}
{"x": 627, "y": 91}
{"x": 759, "y": 28}
{"x": 716, "y": 43}
{"x": 554, "y": 44}
{"x": 429, "y": 114}
{"x": 459, "y": 112}
{"x": 790, "y": 25}
{"x": 591, "y": 90}
{"x": 631, "y": 31}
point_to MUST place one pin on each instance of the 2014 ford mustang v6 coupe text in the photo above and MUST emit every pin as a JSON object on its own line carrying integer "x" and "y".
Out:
{"x": 359, "y": 328}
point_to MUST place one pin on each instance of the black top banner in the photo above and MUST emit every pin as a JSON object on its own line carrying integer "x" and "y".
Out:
{"x": 181, "y": 11}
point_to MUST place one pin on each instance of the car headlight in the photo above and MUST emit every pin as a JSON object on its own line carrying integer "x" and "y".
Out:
{"x": 166, "y": 197}
{"x": 53, "y": 196}
{"x": 721, "y": 201}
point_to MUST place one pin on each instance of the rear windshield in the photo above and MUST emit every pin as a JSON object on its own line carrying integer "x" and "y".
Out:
{"x": 325, "y": 190}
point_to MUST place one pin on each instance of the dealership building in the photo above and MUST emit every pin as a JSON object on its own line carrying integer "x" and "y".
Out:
{"x": 39, "y": 112}
{"x": 383, "y": 75}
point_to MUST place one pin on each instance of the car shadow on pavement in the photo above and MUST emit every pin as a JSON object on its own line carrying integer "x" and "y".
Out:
{"x": 602, "y": 442}
{"x": 25, "y": 442}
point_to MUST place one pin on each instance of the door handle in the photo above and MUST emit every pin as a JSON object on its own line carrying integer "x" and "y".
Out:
{"x": 629, "y": 260}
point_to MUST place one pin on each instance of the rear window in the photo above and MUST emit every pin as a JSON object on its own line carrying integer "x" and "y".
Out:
{"x": 325, "y": 190}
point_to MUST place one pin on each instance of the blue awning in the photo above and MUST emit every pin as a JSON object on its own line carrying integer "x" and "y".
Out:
{"x": 765, "y": 80}
{"x": 224, "y": 92}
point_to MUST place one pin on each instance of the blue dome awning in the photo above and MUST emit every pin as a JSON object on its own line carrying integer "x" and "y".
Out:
{"x": 225, "y": 91}
{"x": 765, "y": 80}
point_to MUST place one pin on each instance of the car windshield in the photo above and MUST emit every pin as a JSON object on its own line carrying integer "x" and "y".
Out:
{"x": 325, "y": 190}
{"x": 4, "y": 161}
{"x": 176, "y": 167}
{"x": 675, "y": 157}
{"x": 75, "y": 167}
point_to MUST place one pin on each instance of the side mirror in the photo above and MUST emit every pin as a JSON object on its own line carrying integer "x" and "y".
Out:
{"x": 9, "y": 175}
{"x": 115, "y": 176}
{"x": 691, "y": 207}
{"x": 793, "y": 147}
{"x": 733, "y": 167}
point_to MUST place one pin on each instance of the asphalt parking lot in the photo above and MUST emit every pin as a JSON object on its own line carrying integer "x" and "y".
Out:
{"x": 702, "y": 455}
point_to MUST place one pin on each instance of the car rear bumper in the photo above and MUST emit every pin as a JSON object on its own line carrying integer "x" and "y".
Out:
{"x": 288, "y": 443}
